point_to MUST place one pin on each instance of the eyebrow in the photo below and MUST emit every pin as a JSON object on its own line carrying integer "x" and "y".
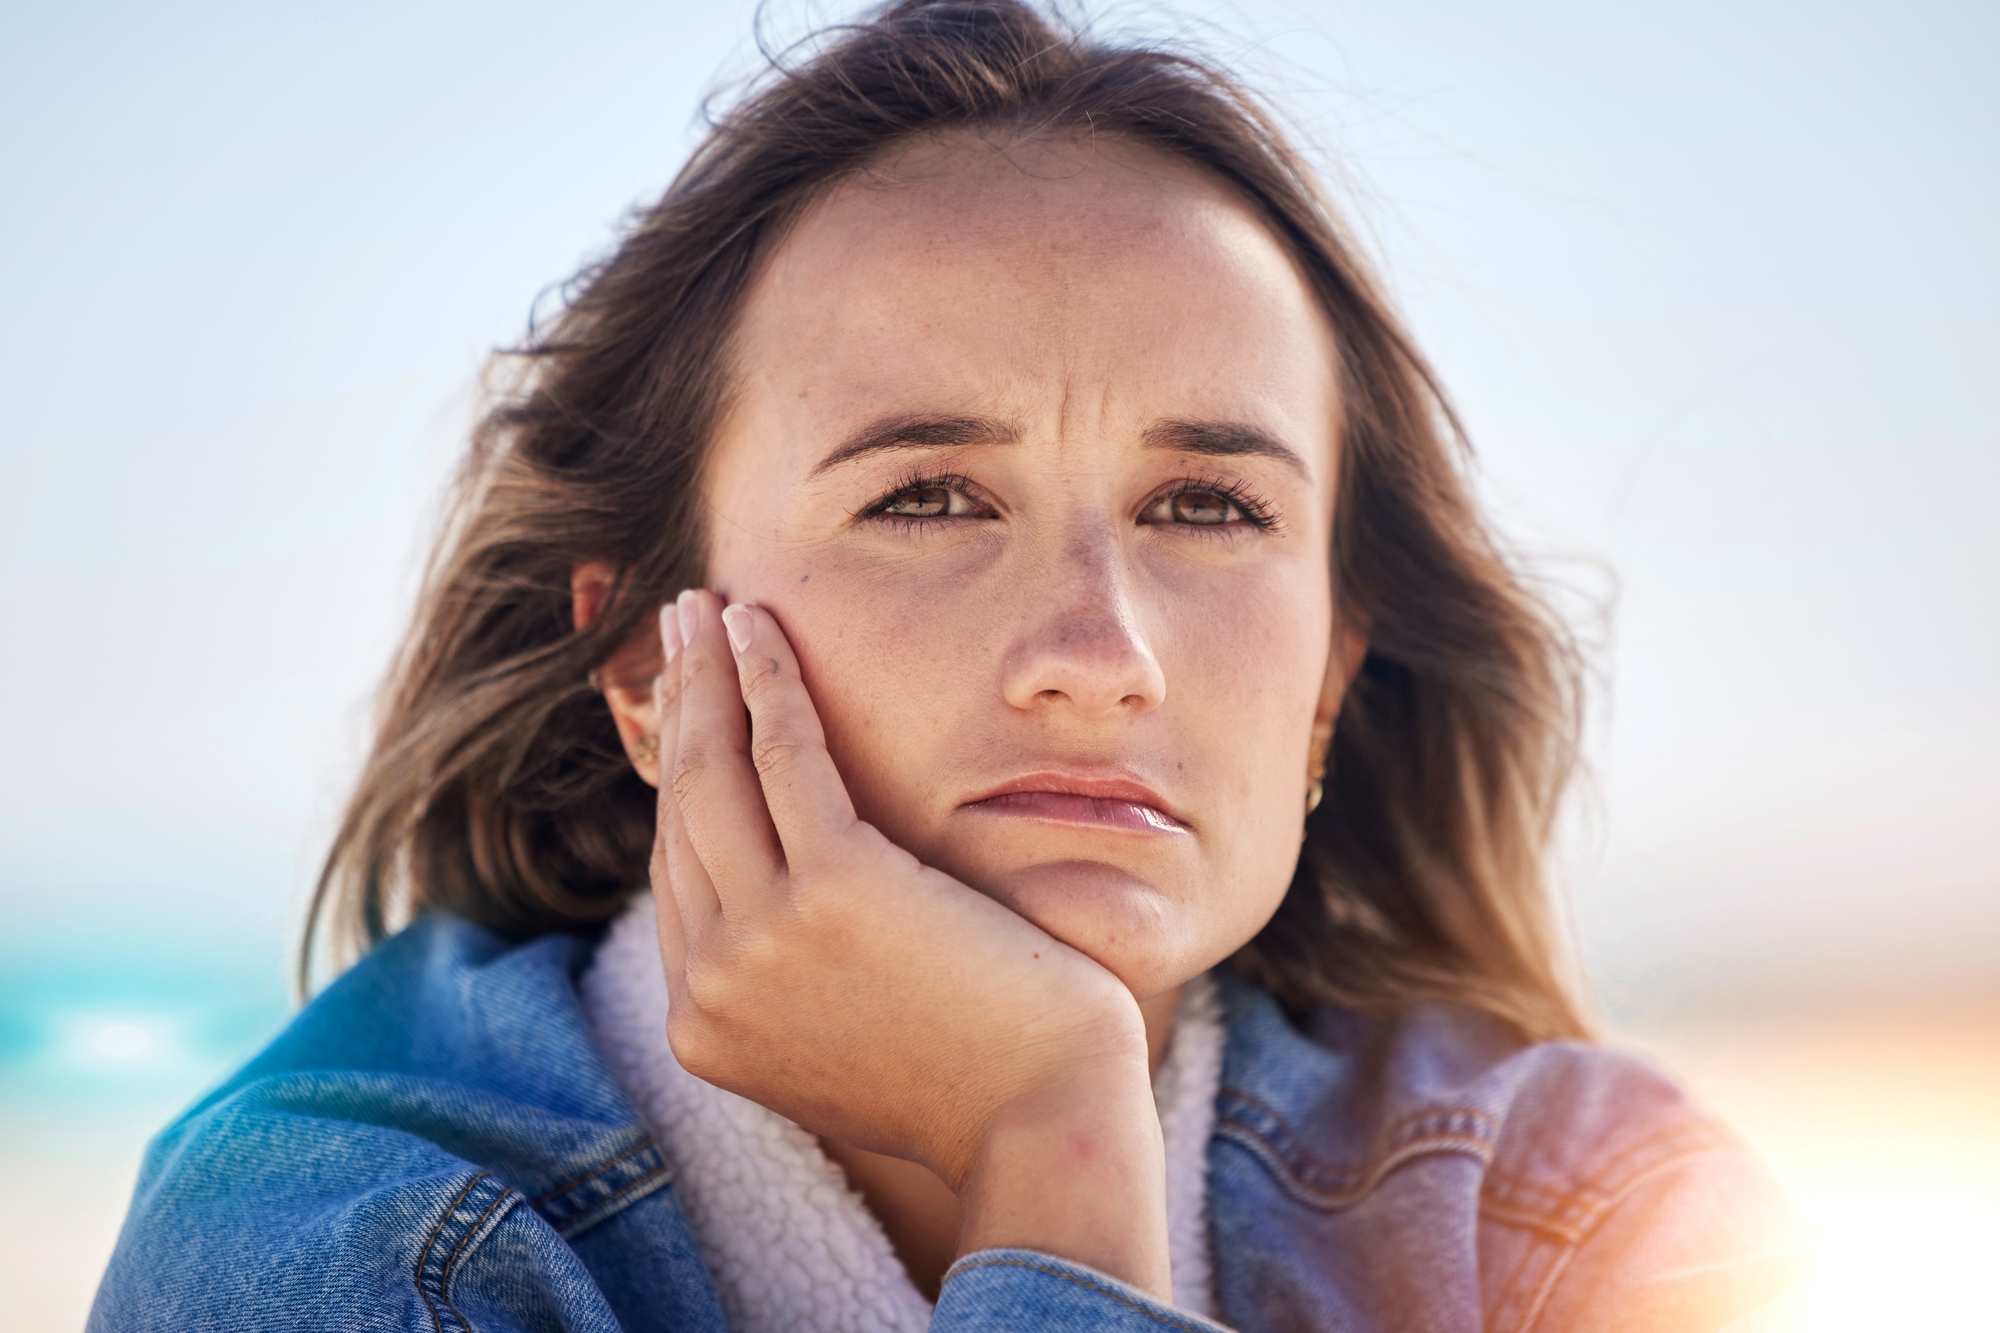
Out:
{"x": 917, "y": 432}
{"x": 1212, "y": 439}
{"x": 1222, "y": 439}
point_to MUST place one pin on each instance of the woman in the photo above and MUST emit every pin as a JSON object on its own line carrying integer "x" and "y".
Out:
{"x": 983, "y": 551}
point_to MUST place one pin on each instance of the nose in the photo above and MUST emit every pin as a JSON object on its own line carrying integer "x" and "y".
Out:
{"x": 1082, "y": 649}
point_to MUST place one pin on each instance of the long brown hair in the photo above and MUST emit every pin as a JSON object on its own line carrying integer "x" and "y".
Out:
{"x": 497, "y": 788}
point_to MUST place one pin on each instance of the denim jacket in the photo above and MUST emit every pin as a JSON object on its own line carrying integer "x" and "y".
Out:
{"x": 435, "y": 1144}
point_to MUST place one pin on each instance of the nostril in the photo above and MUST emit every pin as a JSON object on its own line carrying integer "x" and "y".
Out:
{"x": 1093, "y": 661}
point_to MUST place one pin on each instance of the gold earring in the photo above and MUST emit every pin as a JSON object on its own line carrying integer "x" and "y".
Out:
{"x": 646, "y": 749}
{"x": 596, "y": 681}
{"x": 1316, "y": 783}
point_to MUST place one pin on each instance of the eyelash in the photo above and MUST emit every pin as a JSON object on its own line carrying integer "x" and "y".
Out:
{"x": 1255, "y": 509}
{"x": 918, "y": 481}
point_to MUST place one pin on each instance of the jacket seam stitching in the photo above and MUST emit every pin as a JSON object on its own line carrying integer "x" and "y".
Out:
{"x": 1545, "y": 1253}
{"x": 1607, "y": 1205}
{"x": 1086, "y": 1284}
{"x": 1528, "y": 1220}
{"x": 1401, "y": 1125}
{"x": 645, "y": 1142}
{"x": 1572, "y": 1213}
{"x": 423, "y": 1255}
{"x": 451, "y": 1263}
{"x": 1357, "y": 1185}
{"x": 1352, "y": 1184}
{"x": 604, "y": 1207}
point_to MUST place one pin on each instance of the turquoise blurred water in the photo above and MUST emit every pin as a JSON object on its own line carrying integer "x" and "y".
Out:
{"x": 109, "y": 1026}
{"x": 118, "y": 1009}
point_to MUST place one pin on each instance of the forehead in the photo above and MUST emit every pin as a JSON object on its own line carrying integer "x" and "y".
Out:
{"x": 973, "y": 274}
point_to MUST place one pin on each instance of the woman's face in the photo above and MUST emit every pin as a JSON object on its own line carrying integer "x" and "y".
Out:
{"x": 1032, "y": 456}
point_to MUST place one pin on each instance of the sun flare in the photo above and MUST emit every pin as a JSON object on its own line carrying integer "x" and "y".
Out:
{"x": 1885, "y": 1129}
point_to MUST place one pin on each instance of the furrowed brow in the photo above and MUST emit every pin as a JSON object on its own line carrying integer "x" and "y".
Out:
{"x": 917, "y": 432}
{"x": 1223, "y": 439}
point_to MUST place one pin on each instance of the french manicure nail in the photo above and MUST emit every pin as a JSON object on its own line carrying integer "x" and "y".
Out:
{"x": 670, "y": 631}
{"x": 736, "y": 620}
{"x": 690, "y": 615}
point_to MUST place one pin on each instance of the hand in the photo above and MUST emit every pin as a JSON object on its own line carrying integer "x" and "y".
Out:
{"x": 817, "y": 968}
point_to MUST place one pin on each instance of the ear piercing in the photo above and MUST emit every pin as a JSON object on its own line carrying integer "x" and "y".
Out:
{"x": 646, "y": 749}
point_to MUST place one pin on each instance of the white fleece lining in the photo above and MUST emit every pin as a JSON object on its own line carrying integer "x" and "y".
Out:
{"x": 791, "y": 1247}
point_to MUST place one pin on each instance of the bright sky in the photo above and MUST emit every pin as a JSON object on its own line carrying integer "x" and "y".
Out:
{"x": 1715, "y": 285}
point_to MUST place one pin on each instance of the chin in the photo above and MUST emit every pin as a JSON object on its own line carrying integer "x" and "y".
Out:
{"x": 1138, "y": 932}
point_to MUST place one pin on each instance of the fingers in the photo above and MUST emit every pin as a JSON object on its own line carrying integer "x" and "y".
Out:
{"x": 683, "y": 896}
{"x": 711, "y": 780}
{"x": 807, "y": 800}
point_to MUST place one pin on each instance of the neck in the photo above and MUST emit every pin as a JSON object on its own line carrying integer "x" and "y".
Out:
{"x": 918, "y": 1212}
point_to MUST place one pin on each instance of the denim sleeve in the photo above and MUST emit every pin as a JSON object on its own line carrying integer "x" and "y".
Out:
{"x": 315, "y": 1202}
{"x": 1022, "y": 1289}
{"x": 1708, "y": 1243}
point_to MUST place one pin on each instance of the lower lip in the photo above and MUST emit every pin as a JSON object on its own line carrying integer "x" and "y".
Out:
{"x": 1066, "y": 808}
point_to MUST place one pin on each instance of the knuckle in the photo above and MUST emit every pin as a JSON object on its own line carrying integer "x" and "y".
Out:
{"x": 693, "y": 1041}
{"x": 690, "y": 766}
{"x": 775, "y": 749}
{"x": 710, "y": 980}
{"x": 757, "y": 956}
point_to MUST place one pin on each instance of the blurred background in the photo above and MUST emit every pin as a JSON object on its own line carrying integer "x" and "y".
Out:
{"x": 1716, "y": 286}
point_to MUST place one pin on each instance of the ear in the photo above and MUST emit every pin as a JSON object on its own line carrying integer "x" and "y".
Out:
{"x": 1343, "y": 664}
{"x": 625, "y": 678}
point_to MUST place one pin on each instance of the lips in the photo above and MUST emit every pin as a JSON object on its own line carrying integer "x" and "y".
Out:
{"x": 1101, "y": 801}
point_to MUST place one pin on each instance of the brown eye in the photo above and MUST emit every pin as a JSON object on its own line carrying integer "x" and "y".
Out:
{"x": 1201, "y": 507}
{"x": 920, "y": 502}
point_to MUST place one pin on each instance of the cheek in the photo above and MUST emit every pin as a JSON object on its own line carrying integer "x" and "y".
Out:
{"x": 892, "y": 674}
{"x": 1249, "y": 655}
{"x": 1251, "y": 665}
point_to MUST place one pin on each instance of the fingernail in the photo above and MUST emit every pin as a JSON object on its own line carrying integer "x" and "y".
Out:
{"x": 690, "y": 615}
{"x": 736, "y": 619}
{"x": 670, "y": 631}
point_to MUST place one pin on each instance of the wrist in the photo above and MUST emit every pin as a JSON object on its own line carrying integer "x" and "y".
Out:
{"x": 1076, "y": 1169}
